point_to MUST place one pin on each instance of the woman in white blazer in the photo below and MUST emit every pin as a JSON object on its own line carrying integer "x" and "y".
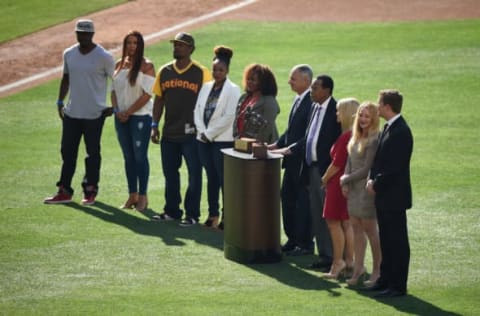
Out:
{"x": 214, "y": 115}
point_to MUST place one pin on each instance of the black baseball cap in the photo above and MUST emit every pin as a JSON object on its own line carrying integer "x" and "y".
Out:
{"x": 185, "y": 38}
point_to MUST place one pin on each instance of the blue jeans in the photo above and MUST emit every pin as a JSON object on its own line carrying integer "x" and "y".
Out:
{"x": 134, "y": 137}
{"x": 72, "y": 132}
{"x": 212, "y": 160}
{"x": 172, "y": 153}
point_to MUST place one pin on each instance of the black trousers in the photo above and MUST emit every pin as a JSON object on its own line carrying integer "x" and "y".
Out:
{"x": 395, "y": 248}
{"x": 72, "y": 132}
{"x": 297, "y": 222}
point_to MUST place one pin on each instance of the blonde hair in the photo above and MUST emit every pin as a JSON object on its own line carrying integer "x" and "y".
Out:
{"x": 357, "y": 131}
{"x": 346, "y": 109}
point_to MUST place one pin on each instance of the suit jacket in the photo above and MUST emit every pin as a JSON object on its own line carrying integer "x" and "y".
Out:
{"x": 391, "y": 168}
{"x": 221, "y": 123}
{"x": 266, "y": 106}
{"x": 295, "y": 131}
{"x": 329, "y": 132}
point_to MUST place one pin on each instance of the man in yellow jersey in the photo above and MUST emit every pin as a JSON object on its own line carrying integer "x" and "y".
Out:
{"x": 176, "y": 88}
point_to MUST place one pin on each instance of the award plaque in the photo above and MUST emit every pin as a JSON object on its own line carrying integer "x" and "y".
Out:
{"x": 259, "y": 150}
{"x": 244, "y": 144}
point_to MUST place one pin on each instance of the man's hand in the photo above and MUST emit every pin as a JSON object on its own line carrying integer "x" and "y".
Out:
{"x": 107, "y": 111}
{"x": 61, "y": 114}
{"x": 272, "y": 146}
{"x": 154, "y": 135}
{"x": 282, "y": 151}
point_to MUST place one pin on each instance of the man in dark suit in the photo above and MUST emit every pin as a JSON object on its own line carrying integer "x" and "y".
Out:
{"x": 295, "y": 202}
{"x": 389, "y": 181}
{"x": 322, "y": 131}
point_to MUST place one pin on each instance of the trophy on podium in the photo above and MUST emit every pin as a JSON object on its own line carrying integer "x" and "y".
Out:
{"x": 248, "y": 141}
{"x": 254, "y": 123}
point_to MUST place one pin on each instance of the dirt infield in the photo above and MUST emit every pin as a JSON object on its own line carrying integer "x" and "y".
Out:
{"x": 42, "y": 51}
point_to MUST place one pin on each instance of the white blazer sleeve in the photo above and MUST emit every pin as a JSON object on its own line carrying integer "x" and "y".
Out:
{"x": 224, "y": 115}
{"x": 200, "y": 107}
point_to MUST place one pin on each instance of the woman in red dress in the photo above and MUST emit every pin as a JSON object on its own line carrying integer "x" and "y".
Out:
{"x": 335, "y": 208}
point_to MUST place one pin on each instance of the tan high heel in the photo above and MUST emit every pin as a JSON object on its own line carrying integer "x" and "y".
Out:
{"x": 372, "y": 280}
{"x": 348, "y": 272}
{"x": 335, "y": 270}
{"x": 131, "y": 202}
{"x": 356, "y": 277}
{"x": 142, "y": 203}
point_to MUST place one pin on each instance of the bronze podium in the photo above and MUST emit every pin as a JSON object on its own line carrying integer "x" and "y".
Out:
{"x": 251, "y": 207}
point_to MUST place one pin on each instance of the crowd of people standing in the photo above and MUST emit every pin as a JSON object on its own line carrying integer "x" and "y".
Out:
{"x": 345, "y": 182}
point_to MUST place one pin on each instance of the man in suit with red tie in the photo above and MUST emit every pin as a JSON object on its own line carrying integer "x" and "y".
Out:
{"x": 295, "y": 202}
{"x": 322, "y": 131}
{"x": 389, "y": 181}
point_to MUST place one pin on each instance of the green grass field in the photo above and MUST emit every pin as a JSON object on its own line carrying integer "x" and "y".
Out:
{"x": 23, "y": 17}
{"x": 76, "y": 260}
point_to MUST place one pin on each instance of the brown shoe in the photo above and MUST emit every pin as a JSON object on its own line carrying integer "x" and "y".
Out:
{"x": 142, "y": 203}
{"x": 131, "y": 202}
{"x": 211, "y": 222}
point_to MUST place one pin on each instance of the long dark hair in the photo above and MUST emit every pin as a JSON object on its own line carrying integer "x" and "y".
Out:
{"x": 137, "y": 63}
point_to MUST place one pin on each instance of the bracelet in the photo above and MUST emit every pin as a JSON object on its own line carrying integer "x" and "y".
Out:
{"x": 154, "y": 124}
{"x": 59, "y": 102}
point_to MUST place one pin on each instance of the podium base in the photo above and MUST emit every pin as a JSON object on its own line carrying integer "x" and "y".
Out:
{"x": 240, "y": 255}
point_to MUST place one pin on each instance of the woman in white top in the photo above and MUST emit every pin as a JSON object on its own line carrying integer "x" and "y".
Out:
{"x": 214, "y": 114}
{"x": 131, "y": 100}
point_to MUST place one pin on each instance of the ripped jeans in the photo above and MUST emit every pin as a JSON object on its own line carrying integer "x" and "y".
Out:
{"x": 134, "y": 137}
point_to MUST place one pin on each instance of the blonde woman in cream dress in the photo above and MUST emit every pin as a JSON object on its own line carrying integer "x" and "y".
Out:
{"x": 361, "y": 207}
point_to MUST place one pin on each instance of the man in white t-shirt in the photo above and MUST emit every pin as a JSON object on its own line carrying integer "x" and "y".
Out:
{"x": 86, "y": 69}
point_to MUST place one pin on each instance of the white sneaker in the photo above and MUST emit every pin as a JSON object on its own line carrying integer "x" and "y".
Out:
{"x": 163, "y": 217}
{"x": 188, "y": 221}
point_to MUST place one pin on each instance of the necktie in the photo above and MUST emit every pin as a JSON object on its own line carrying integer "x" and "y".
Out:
{"x": 292, "y": 112}
{"x": 311, "y": 135}
{"x": 384, "y": 131}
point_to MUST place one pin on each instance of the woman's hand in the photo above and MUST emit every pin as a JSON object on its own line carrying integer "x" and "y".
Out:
{"x": 345, "y": 191}
{"x": 122, "y": 116}
{"x": 204, "y": 138}
{"x": 370, "y": 188}
{"x": 324, "y": 182}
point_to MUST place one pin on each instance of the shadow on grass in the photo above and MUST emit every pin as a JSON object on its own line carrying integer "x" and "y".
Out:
{"x": 290, "y": 271}
{"x": 171, "y": 234}
{"x": 410, "y": 305}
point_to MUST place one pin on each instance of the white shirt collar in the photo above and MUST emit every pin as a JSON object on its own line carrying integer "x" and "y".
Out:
{"x": 324, "y": 104}
{"x": 393, "y": 119}
{"x": 301, "y": 96}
